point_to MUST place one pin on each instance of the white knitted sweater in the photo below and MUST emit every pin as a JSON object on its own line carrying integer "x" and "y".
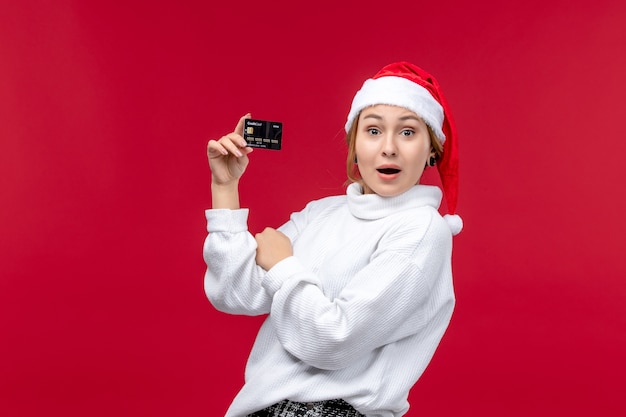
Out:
{"x": 356, "y": 313}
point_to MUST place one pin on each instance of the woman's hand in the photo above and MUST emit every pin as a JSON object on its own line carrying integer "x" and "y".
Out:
{"x": 272, "y": 247}
{"x": 228, "y": 156}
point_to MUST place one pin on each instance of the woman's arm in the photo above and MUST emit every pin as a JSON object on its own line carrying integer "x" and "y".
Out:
{"x": 232, "y": 281}
{"x": 237, "y": 262}
{"x": 232, "y": 278}
{"x": 403, "y": 292}
{"x": 228, "y": 160}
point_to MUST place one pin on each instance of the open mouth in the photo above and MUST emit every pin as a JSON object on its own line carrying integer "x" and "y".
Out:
{"x": 388, "y": 171}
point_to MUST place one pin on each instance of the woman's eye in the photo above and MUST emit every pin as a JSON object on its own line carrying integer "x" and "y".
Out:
{"x": 373, "y": 131}
{"x": 407, "y": 132}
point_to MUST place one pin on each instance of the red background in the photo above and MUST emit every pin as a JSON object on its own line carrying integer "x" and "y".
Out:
{"x": 105, "y": 111}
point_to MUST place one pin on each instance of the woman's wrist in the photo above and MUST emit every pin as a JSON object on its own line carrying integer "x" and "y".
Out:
{"x": 225, "y": 196}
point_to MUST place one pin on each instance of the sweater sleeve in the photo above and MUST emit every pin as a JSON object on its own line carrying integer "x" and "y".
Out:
{"x": 232, "y": 281}
{"x": 404, "y": 291}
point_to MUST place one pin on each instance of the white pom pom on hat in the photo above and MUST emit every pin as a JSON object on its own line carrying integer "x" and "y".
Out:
{"x": 455, "y": 222}
{"x": 406, "y": 85}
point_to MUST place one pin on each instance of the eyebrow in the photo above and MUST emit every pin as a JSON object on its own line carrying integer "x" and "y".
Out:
{"x": 377, "y": 117}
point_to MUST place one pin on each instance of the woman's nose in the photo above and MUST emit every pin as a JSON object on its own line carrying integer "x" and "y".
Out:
{"x": 389, "y": 147}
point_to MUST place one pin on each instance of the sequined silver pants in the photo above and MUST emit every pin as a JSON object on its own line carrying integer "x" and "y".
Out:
{"x": 329, "y": 408}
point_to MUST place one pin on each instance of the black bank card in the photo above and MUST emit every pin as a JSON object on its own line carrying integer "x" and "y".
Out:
{"x": 263, "y": 134}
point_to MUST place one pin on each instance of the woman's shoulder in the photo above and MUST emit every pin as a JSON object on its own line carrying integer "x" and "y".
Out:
{"x": 418, "y": 231}
{"x": 419, "y": 223}
{"x": 325, "y": 203}
{"x": 318, "y": 209}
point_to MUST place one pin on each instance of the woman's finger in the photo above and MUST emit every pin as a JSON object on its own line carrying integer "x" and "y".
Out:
{"x": 239, "y": 128}
{"x": 232, "y": 143}
{"x": 214, "y": 148}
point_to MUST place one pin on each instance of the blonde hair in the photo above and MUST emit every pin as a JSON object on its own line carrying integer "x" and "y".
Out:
{"x": 352, "y": 169}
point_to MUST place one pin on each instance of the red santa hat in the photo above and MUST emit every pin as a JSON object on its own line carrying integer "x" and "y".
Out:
{"x": 406, "y": 85}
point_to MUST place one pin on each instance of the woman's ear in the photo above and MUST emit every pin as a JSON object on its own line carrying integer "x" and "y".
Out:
{"x": 432, "y": 158}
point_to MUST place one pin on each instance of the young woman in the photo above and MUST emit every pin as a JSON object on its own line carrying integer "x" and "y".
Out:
{"x": 358, "y": 288}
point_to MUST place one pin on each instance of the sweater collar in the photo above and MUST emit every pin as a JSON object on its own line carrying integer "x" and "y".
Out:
{"x": 373, "y": 206}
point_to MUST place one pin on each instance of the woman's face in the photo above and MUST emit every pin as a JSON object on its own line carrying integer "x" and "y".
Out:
{"x": 392, "y": 146}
